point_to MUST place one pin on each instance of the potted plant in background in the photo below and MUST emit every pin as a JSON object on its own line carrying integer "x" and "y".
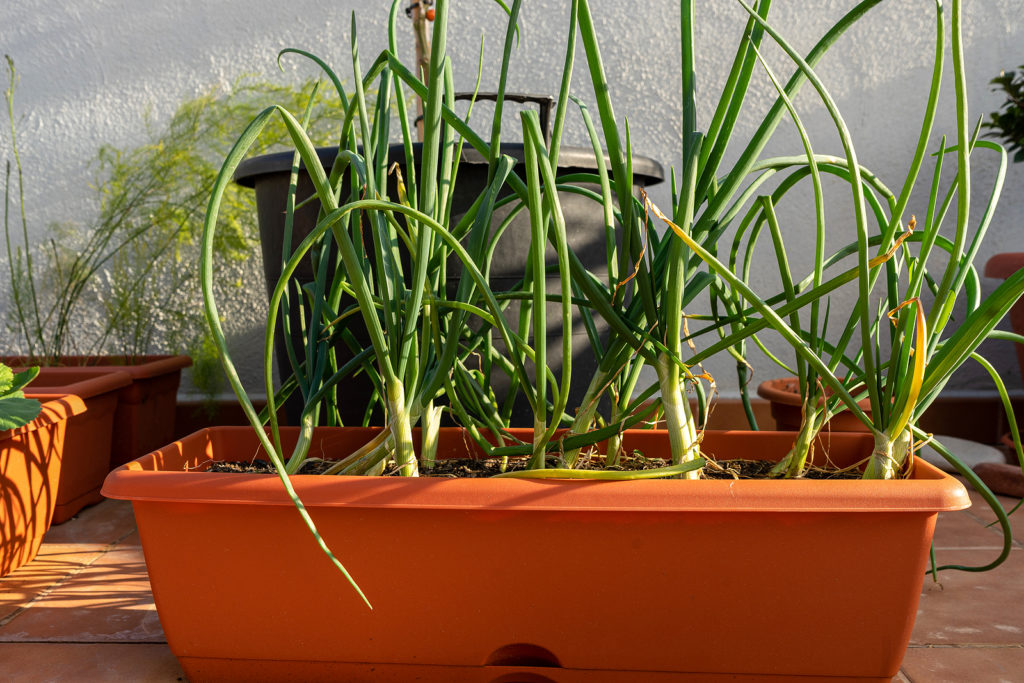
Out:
{"x": 504, "y": 599}
{"x": 123, "y": 270}
{"x": 1007, "y": 124}
{"x": 161, "y": 186}
{"x": 144, "y": 406}
{"x": 32, "y": 439}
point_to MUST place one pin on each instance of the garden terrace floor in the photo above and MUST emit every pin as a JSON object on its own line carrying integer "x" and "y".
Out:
{"x": 83, "y": 610}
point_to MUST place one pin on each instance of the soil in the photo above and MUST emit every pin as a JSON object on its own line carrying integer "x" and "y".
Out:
{"x": 311, "y": 466}
{"x": 761, "y": 469}
{"x": 472, "y": 469}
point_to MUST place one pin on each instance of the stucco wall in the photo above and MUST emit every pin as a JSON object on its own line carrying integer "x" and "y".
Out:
{"x": 90, "y": 70}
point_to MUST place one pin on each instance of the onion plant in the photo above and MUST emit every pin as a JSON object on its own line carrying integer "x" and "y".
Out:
{"x": 654, "y": 279}
{"x": 389, "y": 267}
{"x": 370, "y": 265}
{"x": 898, "y": 346}
{"x": 902, "y": 325}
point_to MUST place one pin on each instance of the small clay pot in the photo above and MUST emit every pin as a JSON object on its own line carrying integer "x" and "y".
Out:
{"x": 784, "y": 395}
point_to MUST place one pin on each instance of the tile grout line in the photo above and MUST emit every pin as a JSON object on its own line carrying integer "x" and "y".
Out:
{"x": 993, "y": 525}
{"x": 67, "y": 577}
{"x": 968, "y": 646}
{"x": 82, "y": 642}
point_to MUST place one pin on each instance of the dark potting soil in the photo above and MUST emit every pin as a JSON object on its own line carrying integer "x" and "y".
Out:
{"x": 311, "y": 466}
{"x": 451, "y": 469}
{"x": 761, "y": 469}
{"x": 467, "y": 468}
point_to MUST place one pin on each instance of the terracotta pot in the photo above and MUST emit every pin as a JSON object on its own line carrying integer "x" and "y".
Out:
{"x": 784, "y": 395}
{"x": 1003, "y": 266}
{"x": 144, "y": 417}
{"x": 30, "y": 459}
{"x": 532, "y": 580}
{"x": 86, "y": 455}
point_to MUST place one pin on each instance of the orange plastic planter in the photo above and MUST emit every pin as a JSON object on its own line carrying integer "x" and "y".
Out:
{"x": 144, "y": 416}
{"x": 30, "y": 459}
{"x": 145, "y": 409}
{"x": 532, "y": 580}
{"x": 86, "y": 454}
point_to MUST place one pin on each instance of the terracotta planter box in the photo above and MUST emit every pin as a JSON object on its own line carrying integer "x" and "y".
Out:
{"x": 500, "y": 580}
{"x": 85, "y": 460}
{"x": 30, "y": 458}
{"x": 144, "y": 417}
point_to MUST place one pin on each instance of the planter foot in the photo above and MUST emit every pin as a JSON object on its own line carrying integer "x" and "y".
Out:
{"x": 62, "y": 512}
{"x": 209, "y": 669}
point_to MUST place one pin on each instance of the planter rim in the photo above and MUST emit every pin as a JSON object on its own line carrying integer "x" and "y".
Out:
{"x": 646, "y": 171}
{"x": 82, "y": 382}
{"x": 148, "y": 366}
{"x": 162, "y": 476}
{"x": 54, "y": 410}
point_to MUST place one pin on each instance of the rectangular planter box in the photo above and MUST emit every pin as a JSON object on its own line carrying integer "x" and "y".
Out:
{"x": 85, "y": 460}
{"x": 144, "y": 416}
{"x": 30, "y": 459}
{"x": 533, "y": 580}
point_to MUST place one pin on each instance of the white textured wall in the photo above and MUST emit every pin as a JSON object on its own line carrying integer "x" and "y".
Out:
{"x": 90, "y": 69}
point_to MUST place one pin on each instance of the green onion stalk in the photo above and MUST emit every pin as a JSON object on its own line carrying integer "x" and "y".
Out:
{"x": 901, "y": 388}
{"x": 902, "y": 357}
{"x": 404, "y": 312}
{"x": 816, "y": 376}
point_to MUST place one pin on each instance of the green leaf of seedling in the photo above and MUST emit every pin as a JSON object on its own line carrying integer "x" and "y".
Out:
{"x": 15, "y": 409}
{"x": 6, "y": 380}
{"x": 12, "y": 383}
{"x": 17, "y": 412}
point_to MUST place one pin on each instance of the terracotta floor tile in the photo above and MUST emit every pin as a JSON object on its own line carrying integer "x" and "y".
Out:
{"x": 108, "y": 601}
{"x": 141, "y": 663}
{"x": 105, "y": 522}
{"x": 964, "y": 530}
{"x": 973, "y": 608}
{"x": 964, "y": 665}
{"x": 131, "y": 539}
{"x": 123, "y": 567}
{"x": 54, "y": 563}
{"x": 980, "y": 509}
